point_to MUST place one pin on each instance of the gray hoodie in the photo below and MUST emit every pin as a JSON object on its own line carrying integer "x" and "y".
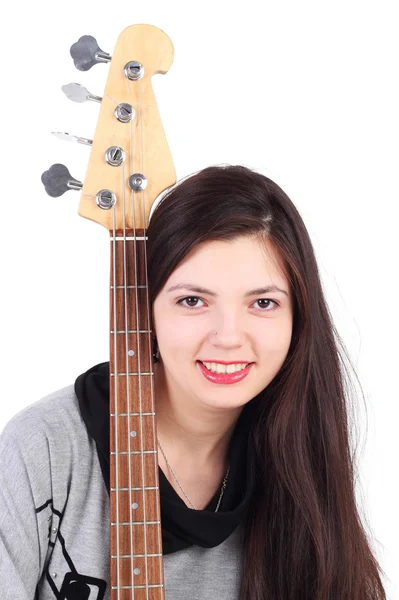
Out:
{"x": 54, "y": 517}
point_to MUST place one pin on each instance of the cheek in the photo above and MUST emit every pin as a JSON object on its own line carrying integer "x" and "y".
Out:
{"x": 275, "y": 340}
{"x": 273, "y": 356}
{"x": 180, "y": 334}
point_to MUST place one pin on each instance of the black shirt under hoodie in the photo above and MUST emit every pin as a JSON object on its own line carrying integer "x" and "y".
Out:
{"x": 181, "y": 526}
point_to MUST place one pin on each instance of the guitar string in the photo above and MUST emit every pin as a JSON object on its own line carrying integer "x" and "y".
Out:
{"x": 127, "y": 396}
{"x": 149, "y": 336}
{"x": 149, "y": 340}
{"x": 116, "y": 405}
{"x": 137, "y": 329}
{"x": 143, "y": 472}
{"x": 151, "y": 363}
{"x": 116, "y": 400}
{"x": 139, "y": 370}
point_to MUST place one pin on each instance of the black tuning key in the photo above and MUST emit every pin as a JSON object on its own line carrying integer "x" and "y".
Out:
{"x": 58, "y": 180}
{"x": 86, "y": 53}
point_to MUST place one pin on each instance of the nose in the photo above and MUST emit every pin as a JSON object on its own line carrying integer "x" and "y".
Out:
{"x": 228, "y": 330}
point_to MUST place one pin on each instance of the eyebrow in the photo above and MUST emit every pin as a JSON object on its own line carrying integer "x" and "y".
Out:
{"x": 200, "y": 290}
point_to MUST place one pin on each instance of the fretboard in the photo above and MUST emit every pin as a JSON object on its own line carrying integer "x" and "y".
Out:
{"x": 136, "y": 534}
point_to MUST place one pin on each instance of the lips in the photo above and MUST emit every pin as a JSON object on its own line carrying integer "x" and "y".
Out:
{"x": 225, "y": 362}
{"x": 224, "y": 378}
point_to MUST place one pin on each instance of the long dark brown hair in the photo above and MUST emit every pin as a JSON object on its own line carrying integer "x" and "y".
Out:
{"x": 304, "y": 538}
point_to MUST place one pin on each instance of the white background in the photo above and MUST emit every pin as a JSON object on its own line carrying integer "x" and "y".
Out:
{"x": 305, "y": 92}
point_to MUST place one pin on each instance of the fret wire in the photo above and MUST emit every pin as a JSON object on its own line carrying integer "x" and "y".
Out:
{"x": 135, "y": 489}
{"x": 130, "y": 587}
{"x": 128, "y": 287}
{"x": 131, "y": 331}
{"x": 136, "y": 523}
{"x": 137, "y": 555}
{"x": 135, "y": 452}
{"x": 135, "y": 414}
{"x": 121, "y": 238}
{"x": 125, "y": 374}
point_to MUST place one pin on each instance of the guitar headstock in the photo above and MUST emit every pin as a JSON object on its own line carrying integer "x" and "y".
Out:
{"x": 130, "y": 163}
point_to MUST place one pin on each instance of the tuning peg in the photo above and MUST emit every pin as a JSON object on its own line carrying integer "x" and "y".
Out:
{"x": 78, "y": 93}
{"x": 58, "y": 180}
{"x": 71, "y": 138}
{"x": 86, "y": 53}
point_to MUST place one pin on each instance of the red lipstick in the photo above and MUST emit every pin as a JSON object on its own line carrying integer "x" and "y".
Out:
{"x": 225, "y": 362}
{"x": 224, "y": 377}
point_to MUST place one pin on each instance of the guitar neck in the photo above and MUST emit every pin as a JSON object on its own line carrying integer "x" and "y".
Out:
{"x": 136, "y": 533}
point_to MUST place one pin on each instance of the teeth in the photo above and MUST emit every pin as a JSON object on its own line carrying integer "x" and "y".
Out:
{"x": 218, "y": 368}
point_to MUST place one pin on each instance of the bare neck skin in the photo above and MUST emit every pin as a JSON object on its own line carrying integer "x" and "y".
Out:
{"x": 190, "y": 434}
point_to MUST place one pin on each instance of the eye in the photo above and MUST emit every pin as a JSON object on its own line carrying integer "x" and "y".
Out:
{"x": 264, "y": 307}
{"x": 191, "y": 301}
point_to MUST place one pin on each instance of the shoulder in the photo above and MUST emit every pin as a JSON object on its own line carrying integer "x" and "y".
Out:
{"x": 63, "y": 399}
{"x": 54, "y": 415}
{"x": 50, "y": 430}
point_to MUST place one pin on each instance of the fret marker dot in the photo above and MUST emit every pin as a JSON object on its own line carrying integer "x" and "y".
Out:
{"x": 136, "y": 571}
{"x": 131, "y": 352}
{"x": 133, "y": 433}
{"x": 135, "y": 505}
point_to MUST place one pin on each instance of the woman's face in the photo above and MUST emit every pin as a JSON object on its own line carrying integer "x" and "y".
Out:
{"x": 214, "y": 309}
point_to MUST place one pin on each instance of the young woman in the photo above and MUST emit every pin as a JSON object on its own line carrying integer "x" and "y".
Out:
{"x": 256, "y": 469}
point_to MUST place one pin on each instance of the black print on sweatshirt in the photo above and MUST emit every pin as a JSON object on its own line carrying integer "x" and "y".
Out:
{"x": 74, "y": 586}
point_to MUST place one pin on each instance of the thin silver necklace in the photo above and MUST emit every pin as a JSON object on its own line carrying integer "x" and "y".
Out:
{"x": 178, "y": 483}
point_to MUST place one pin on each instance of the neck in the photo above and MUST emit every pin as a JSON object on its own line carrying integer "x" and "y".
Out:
{"x": 201, "y": 434}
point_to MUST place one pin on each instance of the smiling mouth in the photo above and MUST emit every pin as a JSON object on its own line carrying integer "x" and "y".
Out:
{"x": 224, "y": 377}
{"x": 223, "y": 368}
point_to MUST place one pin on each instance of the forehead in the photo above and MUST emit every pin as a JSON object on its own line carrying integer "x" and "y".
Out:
{"x": 243, "y": 260}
